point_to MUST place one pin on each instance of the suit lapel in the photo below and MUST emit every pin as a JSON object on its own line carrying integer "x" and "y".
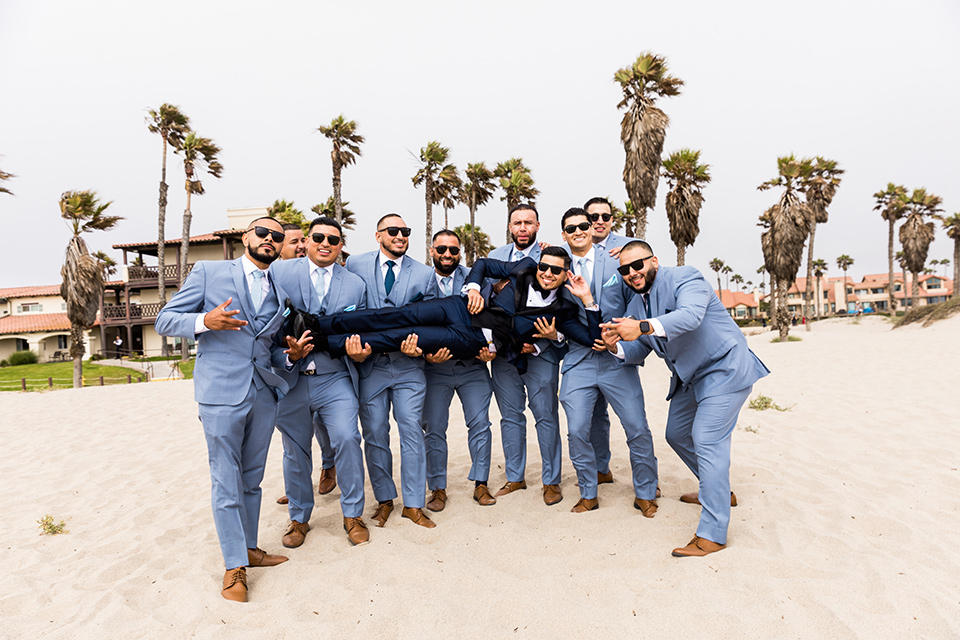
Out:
{"x": 332, "y": 302}
{"x": 377, "y": 276}
{"x": 243, "y": 293}
{"x": 307, "y": 291}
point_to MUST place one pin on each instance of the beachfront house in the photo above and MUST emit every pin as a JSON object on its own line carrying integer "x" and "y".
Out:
{"x": 35, "y": 319}
{"x": 741, "y": 305}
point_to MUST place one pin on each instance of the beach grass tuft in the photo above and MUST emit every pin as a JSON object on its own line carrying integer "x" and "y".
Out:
{"x": 789, "y": 339}
{"x": 930, "y": 313}
{"x": 50, "y": 528}
{"x": 762, "y": 403}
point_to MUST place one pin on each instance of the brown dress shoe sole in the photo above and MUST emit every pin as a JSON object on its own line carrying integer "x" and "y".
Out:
{"x": 584, "y": 505}
{"x": 697, "y": 548}
{"x": 693, "y": 498}
{"x": 417, "y": 516}
{"x": 283, "y": 500}
{"x": 510, "y": 487}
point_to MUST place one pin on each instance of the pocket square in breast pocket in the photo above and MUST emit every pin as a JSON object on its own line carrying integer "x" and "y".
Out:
{"x": 416, "y": 298}
{"x": 352, "y": 307}
{"x": 612, "y": 281}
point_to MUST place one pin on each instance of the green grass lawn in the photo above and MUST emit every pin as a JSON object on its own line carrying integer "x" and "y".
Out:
{"x": 62, "y": 373}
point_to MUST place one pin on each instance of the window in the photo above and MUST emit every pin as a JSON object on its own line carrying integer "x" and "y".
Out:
{"x": 22, "y": 345}
{"x": 61, "y": 342}
{"x": 876, "y": 290}
{"x": 896, "y": 287}
{"x": 933, "y": 283}
{"x": 29, "y": 307}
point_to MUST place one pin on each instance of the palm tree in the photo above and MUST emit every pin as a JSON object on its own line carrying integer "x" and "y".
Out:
{"x": 432, "y": 159}
{"x": 737, "y": 279}
{"x": 346, "y": 148}
{"x": 475, "y": 191}
{"x": 107, "y": 264}
{"x": 952, "y": 226}
{"x": 820, "y": 186}
{"x": 916, "y": 235}
{"x": 172, "y": 126}
{"x": 844, "y": 262}
{"x": 727, "y": 270}
{"x": 82, "y": 286}
{"x": 470, "y": 235}
{"x": 686, "y": 177}
{"x": 199, "y": 153}
{"x": 328, "y": 209}
{"x": 717, "y": 265}
{"x": 517, "y": 185}
{"x": 619, "y": 216}
{"x": 448, "y": 184}
{"x": 4, "y": 176}
{"x": 891, "y": 202}
{"x": 285, "y": 212}
{"x": 819, "y": 268}
{"x": 642, "y": 131}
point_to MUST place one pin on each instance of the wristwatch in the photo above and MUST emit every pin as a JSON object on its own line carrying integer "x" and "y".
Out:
{"x": 645, "y": 327}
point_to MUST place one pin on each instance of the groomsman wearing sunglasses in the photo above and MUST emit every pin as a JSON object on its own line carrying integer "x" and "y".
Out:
{"x": 678, "y": 316}
{"x": 468, "y": 377}
{"x": 590, "y": 374}
{"x": 321, "y": 386}
{"x": 233, "y": 309}
{"x": 393, "y": 279}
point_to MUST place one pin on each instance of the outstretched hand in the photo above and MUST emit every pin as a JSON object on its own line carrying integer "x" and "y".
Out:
{"x": 220, "y": 319}
{"x": 409, "y": 346}
{"x": 486, "y": 355}
{"x": 298, "y": 348}
{"x": 356, "y": 352}
{"x": 545, "y": 330}
{"x": 579, "y": 287}
{"x": 440, "y": 356}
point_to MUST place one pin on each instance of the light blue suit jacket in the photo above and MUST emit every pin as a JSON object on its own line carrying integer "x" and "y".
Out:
{"x": 346, "y": 293}
{"x": 226, "y": 360}
{"x": 704, "y": 347}
{"x": 414, "y": 283}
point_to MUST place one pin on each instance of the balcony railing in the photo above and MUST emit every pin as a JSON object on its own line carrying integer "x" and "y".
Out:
{"x": 141, "y": 275}
{"x": 117, "y": 313}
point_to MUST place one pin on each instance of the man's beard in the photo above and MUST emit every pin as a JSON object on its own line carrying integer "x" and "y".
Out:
{"x": 444, "y": 269}
{"x": 530, "y": 241}
{"x": 264, "y": 258}
{"x": 647, "y": 281}
{"x": 390, "y": 251}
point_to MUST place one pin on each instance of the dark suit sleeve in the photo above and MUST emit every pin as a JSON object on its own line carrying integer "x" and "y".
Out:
{"x": 573, "y": 329}
{"x": 496, "y": 269}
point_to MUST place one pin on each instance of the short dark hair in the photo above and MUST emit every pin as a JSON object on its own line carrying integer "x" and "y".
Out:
{"x": 325, "y": 221}
{"x": 638, "y": 244}
{"x": 557, "y": 252}
{"x": 597, "y": 200}
{"x": 571, "y": 213}
{"x": 252, "y": 225}
{"x": 389, "y": 215}
{"x": 290, "y": 226}
{"x": 445, "y": 232}
{"x": 523, "y": 206}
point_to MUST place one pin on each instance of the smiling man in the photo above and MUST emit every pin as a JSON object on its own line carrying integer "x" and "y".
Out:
{"x": 294, "y": 242}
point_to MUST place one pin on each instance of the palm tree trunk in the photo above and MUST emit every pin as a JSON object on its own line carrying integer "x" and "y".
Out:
{"x": 76, "y": 351}
{"x": 641, "y": 226}
{"x": 914, "y": 289}
{"x": 681, "y": 255}
{"x": 161, "y": 243}
{"x": 808, "y": 294}
{"x": 956, "y": 265}
{"x": 428, "y": 195}
{"x": 892, "y": 303}
{"x": 845, "y": 291}
{"x": 783, "y": 323}
{"x": 509, "y": 207}
{"x": 337, "y": 202}
{"x": 472, "y": 253}
{"x": 184, "y": 249}
{"x": 628, "y": 228}
{"x": 719, "y": 287}
{"x": 446, "y": 219}
{"x": 774, "y": 319}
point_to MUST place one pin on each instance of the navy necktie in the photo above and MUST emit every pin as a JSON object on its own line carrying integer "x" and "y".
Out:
{"x": 646, "y": 302}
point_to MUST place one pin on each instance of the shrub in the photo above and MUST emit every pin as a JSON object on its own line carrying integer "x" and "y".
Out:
{"x": 95, "y": 356}
{"x": 22, "y": 357}
{"x": 4, "y": 363}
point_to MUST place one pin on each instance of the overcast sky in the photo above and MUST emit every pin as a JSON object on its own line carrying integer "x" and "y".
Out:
{"x": 872, "y": 85}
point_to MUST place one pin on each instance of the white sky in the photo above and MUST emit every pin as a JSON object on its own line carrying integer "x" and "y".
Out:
{"x": 870, "y": 84}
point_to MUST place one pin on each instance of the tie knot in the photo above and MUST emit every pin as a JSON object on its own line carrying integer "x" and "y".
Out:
{"x": 391, "y": 264}
{"x": 257, "y": 274}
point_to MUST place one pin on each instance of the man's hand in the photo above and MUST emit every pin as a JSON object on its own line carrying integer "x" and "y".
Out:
{"x": 627, "y": 328}
{"x": 600, "y": 345}
{"x": 474, "y": 301}
{"x": 220, "y": 319}
{"x": 409, "y": 346}
{"x": 580, "y": 288}
{"x": 356, "y": 352}
{"x": 440, "y": 356}
{"x": 610, "y": 339}
{"x": 527, "y": 348}
{"x": 615, "y": 252}
{"x": 499, "y": 285}
{"x": 543, "y": 245}
{"x": 546, "y": 330}
{"x": 486, "y": 355}
{"x": 298, "y": 348}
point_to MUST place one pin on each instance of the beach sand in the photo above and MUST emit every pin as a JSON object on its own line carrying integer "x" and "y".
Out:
{"x": 847, "y": 524}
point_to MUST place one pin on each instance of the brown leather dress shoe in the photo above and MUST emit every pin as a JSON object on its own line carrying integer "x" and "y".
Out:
{"x": 260, "y": 558}
{"x": 585, "y": 505}
{"x": 658, "y": 491}
{"x": 693, "y": 498}
{"x": 438, "y": 500}
{"x": 551, "y": 494}
{"x": 604, "y": 478}
{"x": 698, "y": 547}
{"x": 483, "y": 496}
{"x": 647, "y": 507}
{"x": 295, "y": 535}
{"x": 418, "y": 517}
{"x": 384, "y": 509}
{"x": 357, "y": 532}
{"x": 328, "y": 481}
{"x": 283, "y": 500}
{"x": 235, "y": 584}
{"x": 510, "y": 487}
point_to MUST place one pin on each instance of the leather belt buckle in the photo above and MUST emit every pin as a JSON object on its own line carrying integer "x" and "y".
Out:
{"x": 308, "y": 372}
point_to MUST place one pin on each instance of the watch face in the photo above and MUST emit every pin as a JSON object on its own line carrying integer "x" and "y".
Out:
{"x": 644, "y": 326}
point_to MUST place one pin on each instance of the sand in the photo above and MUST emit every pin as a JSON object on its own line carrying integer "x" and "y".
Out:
{"x": 847, "y": 524}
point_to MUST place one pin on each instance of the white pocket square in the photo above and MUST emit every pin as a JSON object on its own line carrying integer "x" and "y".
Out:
{"x": 612, "y": 281}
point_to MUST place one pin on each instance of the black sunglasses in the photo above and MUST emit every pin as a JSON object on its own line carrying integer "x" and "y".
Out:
{"x": 263, "y": 232}
{"x": 554, "y": 269}
{"x": 332, "y": 239}
{"x": 636, "y": 265}
{"x": 442, "y": 249}
{"x": 393, "y": 231}
{"x": 596, "y": 216}
{"x": 570, "y": 228}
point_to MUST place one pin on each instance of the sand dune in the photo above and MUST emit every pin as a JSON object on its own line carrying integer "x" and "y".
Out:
{"x": 847, "y": 524}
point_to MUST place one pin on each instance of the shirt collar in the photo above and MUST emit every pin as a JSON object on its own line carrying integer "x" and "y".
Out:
{"x": 382, "y": 259}
{"x": 524, "y": 252}
{"x": 249, "y": 267}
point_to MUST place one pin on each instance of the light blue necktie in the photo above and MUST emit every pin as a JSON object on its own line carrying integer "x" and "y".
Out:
{"x": 256, "y": 294}
{"x": 446, "y": 284}
{"x": 320, "y": 283}
{"x": 585, "y": 272}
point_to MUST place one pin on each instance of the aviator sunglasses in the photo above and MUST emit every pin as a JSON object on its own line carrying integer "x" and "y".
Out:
{"x": 596, "y": 216}
{"x": 332, "y": 239}
{"x": 442, "y": 249}
{"x": 393, "y": 231}
{"x": 636, "y": 265}
{"x": 263, "y": 232}
{"x": 570, "y": 228}
{"x": 554, "y": 269}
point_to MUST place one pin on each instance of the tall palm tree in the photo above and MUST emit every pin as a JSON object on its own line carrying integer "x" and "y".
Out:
{"x": 952, "y": 226}
{"x": 642, "y": 131}
{"x": 470, "y": 235}
{"x": 475, "y": 191}
{"x": 717, "y": 265}
{"x": 737, "y": 279}
{"x": 619, "y": 216}
{"x": 199, "y": 154}
{"x": 82, "y": 286}
{"x": 517, "y": 185}
{"x": 172, "y": 126}
{"x": 448, "y": 184}
{"x": 4, "y": 176}
{"x": 348, "y": 218}
{"x": 820, "y": 186}
{"x": 916, "y": 235}
{"x": 844, "y": 262}
{"x": 686, "y": 177}
{"x": 286, "y": 213}
{"x": 891, "y": 202}
{"x": 346, "y": 148}
{"x": 819, "y": 268}
{"x": 433, "y": 157}
{"x": 727, "y": 270}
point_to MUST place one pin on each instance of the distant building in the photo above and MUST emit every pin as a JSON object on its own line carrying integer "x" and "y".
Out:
{"x": 868, "y": 295}
{"x": 741, "y": 305}
{"x": 35, "y": 319}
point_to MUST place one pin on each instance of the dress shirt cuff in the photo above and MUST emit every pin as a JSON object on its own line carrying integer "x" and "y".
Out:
{"x": 620, "y": 353}
{"x": 657, "y": 328}
{"x": 198, "y": 326}
{"x": 470, "y": 286}
{"x": 560, "y": 339}
{"x": 593, "y": 307}
{"x": 488, "y": 336}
